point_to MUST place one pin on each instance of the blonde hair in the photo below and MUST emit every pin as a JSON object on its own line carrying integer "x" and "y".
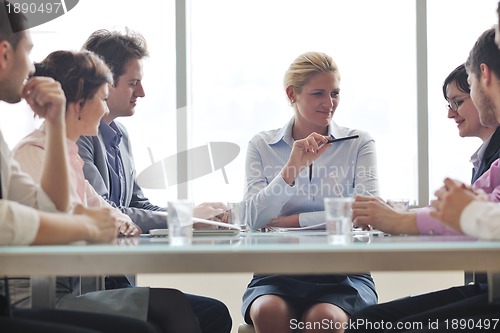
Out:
{"x": 305, "y": 66}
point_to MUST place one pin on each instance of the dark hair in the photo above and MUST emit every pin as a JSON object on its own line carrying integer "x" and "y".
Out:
{"x": 12, "y": 24}
{"x": 485, "y": 51}
{"x": 81, "y": 74}
{"x": 459, "y": 76}
{"x": 117, "y": 48}
{"x": 498, "y": 9}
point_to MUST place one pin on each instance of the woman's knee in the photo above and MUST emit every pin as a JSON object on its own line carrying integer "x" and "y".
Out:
{"x": 270, "y": 307}
{"x": 318, "y": 313}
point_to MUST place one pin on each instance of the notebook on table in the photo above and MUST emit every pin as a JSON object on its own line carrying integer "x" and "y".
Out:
{"x": 198, "y": 232}
{"x": 224, "y": 229}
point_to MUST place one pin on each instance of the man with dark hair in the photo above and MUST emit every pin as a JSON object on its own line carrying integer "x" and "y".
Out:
{"x": 497, "y": 27}
{"x": 117, "y": 49}
{"x": 20, "y": 197}
{"x": 109, "y": 165}
{"x": 108, "y": 161}
{"x": 458, "y": 206}
{"x": 11, "y": 23}
{"x": 25, "y": 208}
{"x": 464, "y": 209}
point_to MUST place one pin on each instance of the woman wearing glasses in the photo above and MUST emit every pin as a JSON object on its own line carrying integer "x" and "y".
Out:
{"x": 375, "y": 212}
{"x": 434, "y": 308}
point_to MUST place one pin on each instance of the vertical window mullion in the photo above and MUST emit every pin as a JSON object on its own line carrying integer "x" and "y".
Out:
{"x": 422, "y": 104}
{"x": 181, "y": 96}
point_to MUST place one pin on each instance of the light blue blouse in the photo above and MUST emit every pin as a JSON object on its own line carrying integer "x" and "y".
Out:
{"x": 347, "y": 168}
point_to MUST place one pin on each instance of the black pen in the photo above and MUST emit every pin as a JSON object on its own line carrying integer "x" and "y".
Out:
{"x": 342, "y": 139}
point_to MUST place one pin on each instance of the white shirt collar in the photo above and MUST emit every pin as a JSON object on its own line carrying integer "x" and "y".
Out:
{"x": 285, "y": 133}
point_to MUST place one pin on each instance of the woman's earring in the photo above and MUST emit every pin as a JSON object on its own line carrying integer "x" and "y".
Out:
{"x": 79, "y": 117}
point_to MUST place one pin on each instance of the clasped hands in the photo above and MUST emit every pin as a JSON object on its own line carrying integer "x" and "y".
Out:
{"x": 452, "y": 199}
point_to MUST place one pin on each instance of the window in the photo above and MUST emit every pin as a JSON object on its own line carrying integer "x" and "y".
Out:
{"x": 153, "y": 125}
{"x": 241, "y": 50}
{"x": 453, "y": 28}
{"x": 237, "y": 55}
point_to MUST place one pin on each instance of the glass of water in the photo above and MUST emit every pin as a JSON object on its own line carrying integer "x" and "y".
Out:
{"x": 338, "y": 220}
{"x": 180, "y": 222}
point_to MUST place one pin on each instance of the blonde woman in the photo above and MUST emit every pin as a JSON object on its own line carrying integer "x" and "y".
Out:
{"x": 289, "y": 171}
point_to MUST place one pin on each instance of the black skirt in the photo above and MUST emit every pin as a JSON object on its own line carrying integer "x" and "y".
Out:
{"x": 349, "y": 292}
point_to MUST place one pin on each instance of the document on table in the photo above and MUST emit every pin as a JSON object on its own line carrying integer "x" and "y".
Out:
{"x": 320, "y": 226}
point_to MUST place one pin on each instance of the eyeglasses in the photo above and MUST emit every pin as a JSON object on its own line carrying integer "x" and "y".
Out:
{"x": 454, "y": 105}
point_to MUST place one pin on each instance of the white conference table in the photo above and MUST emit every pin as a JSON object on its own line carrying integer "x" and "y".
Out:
{"x": 276, "y": 252}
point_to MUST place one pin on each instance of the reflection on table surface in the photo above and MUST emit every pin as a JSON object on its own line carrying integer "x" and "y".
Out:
{"x": 314, "y": 239}
{"x": 309, "y": 240}
{"x": 282, "y": 252}
{"x": 261, "y": 253}
{"x": 267, "y": 240}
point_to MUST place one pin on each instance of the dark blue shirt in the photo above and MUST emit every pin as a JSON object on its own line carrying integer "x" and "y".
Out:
{"x": 112, "y": 136}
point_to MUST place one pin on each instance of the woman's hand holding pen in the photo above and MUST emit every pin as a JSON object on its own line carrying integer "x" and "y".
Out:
{"x": 304, "y": 152}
